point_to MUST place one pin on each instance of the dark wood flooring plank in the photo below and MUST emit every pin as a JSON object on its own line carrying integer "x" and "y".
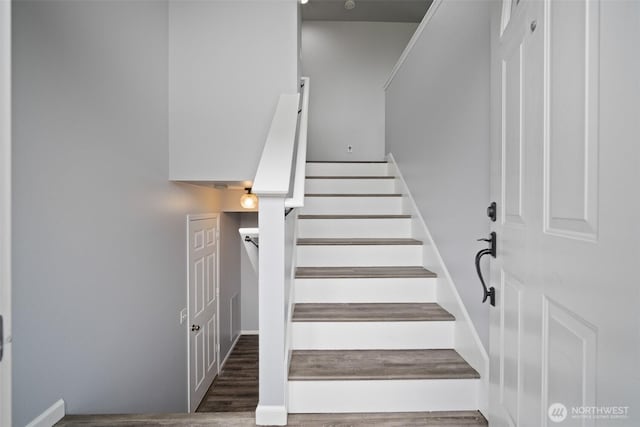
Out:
{"x": 370, "y": 312}
{"x": 309, "y": 216}
{"x": 408, "y": 419}
{"x": 239, "y": 419}
{"x": 362, "y": 272}
{"x": 309, "y": 241}
{"x": 235, "y": 389}
{"x": 330, "y": 365}
{"x": 247, "y": 419}
{"x": 352, "y": 195}
{"x": 348, "y": 161}
{"x": 351, "y": 177}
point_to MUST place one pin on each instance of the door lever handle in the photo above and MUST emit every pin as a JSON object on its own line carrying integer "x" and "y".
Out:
{"x": 489, "y": 293}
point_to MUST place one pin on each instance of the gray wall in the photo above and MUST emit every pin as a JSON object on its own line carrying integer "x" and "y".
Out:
{"x": 348, "y": 63}
{"x": 229, "y": 62}
{"x": 230, "y": 281}
{"x": 438, "y": 131}
{"x": 99, "y": 233}
{"x": 249, "y": 281}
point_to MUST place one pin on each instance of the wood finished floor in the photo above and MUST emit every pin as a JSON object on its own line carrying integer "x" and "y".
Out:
{"x": 367, "y": 241}
{"x": 352, "y": 195}
{"x": 247, "y": 419}
{"x": 351, "y": 177}
{"x": 235, "y": 389}
{"x": 370, "y": 312}
{"x": 331, "y": 365}
{"x": 362, "y": 272}
{"x": 347, "y": 216}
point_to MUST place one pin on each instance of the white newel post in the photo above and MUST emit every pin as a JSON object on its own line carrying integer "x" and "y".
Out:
{"x": 272, "y": 409}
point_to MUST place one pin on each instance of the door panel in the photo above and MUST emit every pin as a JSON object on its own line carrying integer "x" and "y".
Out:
{"x": 203, "y": 306}
{"x": 512, "y": 134}
{"x": 510, "y": 356}
{"x": 571, "y": 118}
{"x": 565, "y": 332}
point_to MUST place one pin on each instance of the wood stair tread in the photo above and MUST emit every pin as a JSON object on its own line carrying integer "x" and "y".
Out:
{"x": 334, "y": 365}
{"x": 330, "y": 216}
{"x": 351, "y": 177}
{"x": 362, "y": 272}
{"x": 347, "y": 161}
{"x": 353, "y": 195}
{"x": 370, "y": 312}
{"x": 356, "y": 241}
{"x": 391, "y": 419}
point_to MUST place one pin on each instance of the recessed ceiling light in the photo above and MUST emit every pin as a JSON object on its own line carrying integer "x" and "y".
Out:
{"x": 304, "y": 1}
{"x": 349, "y": 4}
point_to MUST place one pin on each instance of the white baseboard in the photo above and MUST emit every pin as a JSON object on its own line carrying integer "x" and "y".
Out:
{"x": 50, "y": 416}
{"x": 230, "y": 351}
{"x": 271, "y": 415}
{"x": 249, "y": 332}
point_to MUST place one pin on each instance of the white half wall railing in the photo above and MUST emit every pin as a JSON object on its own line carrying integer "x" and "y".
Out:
{"x": 279, "y": 185}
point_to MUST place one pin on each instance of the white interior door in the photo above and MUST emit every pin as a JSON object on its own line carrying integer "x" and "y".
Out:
{"x": 5, "y": 211}
{"x": 565, "y": 332}
{"x": 203, "y": 306}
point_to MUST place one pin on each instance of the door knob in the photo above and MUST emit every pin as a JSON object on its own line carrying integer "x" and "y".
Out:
{"x": 195, "y": 328}
{"x": 489, "y": 293}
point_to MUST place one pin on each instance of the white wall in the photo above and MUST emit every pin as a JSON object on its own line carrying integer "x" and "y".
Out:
{"x": 99, "y": 233}
{"x": 229, "y": 61}
{"x": 438, "y": 131}
{"x": 348, "y": 63}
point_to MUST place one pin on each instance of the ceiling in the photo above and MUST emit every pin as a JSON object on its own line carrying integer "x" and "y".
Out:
{"x": 366, "y": 10}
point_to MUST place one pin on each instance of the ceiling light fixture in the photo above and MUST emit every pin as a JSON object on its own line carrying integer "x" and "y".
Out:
{"x": 249, "y": 200}
{"x": 304, "y": 1}
{"x": 349, "y": 4}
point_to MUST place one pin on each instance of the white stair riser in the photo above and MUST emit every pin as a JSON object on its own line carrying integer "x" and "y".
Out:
{"x": 353, "y": 205}
{"x": 365, "y": 290}
{"x": 347, "y": 169}
{"x": 350, "y": 186}
{"x": 383, "y": 395}
{"x": 346, "y": 228}
{"x": 372, "y": 335}
{"x": 358, "y": 255}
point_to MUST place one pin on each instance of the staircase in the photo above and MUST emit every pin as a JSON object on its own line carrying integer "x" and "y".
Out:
{"x": 368, "y": 334}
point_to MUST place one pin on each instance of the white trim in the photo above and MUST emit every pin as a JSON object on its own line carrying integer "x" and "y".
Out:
{"x": 249, "y": 332}
{"x": 233, "y": 346}
{"x": 49, "y": 417}
{"x": 190, "y": 218}
{"x": 198, "y": 217}
{"x": 5, "y": 208}
{"x": 467, "y": 340}
{"x": 427, "y": 17}
{"x": 297, "y": 200}
{"x": 274, "y": 170}
{"x": 271, "y": 415}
